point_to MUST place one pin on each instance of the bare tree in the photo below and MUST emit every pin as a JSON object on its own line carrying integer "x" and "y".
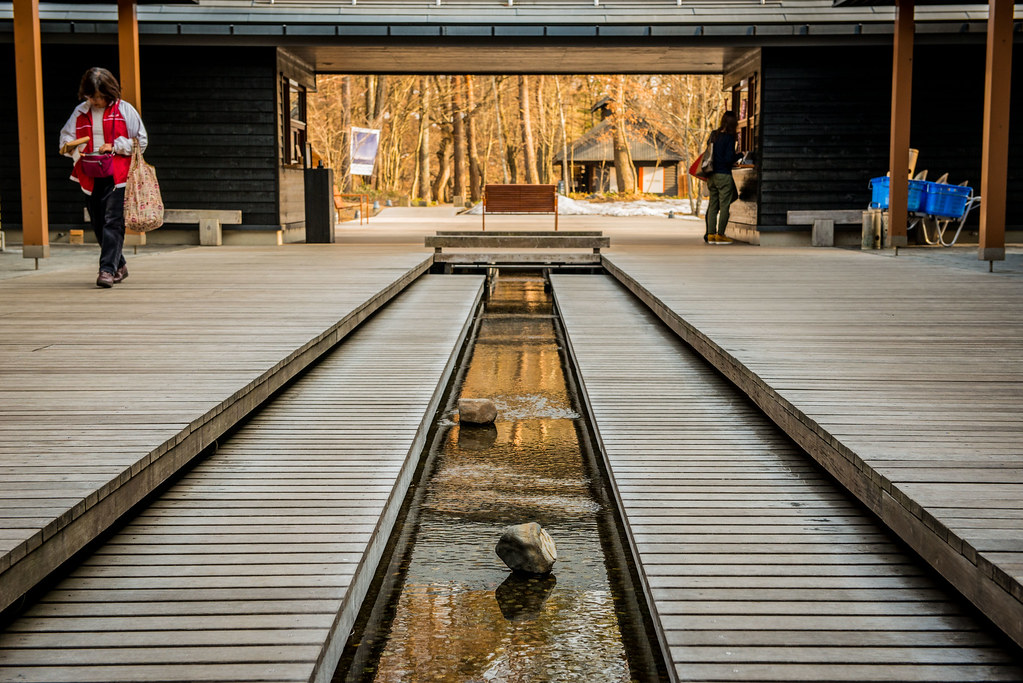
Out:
{"x": 507, "y": 155}
{"x": 422, "y": 187}
{"x": 528, "y": 150}
{"x": 566, "y": 168}
{"x": 440, "y": 181}
{"x": 475, "y": 176}
{"x": 458, "y": 133}
{"x": 344, "y": 179}
{"x": 624, "y": 169}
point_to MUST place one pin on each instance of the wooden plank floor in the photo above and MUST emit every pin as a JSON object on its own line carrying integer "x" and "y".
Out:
{"x": 759, "y": 566}
{"x": 106, "y": 393}
{"x": 903, "y": 378}
{"x": 254, "y": 564}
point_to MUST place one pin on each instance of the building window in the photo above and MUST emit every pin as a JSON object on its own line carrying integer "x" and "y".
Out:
{"x": 294, "y": 117}
{"x": 744, "y": 104}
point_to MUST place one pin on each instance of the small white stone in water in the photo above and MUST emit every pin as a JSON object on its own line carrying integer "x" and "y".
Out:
{"x": 476, "y": 410}
{"x": 527, "y": 548}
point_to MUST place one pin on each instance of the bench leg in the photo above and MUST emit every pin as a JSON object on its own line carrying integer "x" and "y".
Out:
{"x": 823, "y": 234}
{"x": 209, "y": 232}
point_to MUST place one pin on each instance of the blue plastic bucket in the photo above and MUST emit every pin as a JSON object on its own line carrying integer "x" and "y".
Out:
{"x": 880, "y": 190}
{"x": 948, "y": 201}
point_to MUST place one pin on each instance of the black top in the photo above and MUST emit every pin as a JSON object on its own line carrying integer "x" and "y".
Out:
{"x": 725, "y": 155}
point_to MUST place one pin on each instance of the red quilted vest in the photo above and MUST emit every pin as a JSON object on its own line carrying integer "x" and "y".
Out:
{"x": 113, "y": 127}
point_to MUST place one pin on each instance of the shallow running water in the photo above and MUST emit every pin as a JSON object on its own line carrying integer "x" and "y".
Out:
{"x": 461, "y": 615}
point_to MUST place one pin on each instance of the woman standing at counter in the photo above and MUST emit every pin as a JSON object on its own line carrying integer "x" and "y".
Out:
{"x": 720, "y": 183}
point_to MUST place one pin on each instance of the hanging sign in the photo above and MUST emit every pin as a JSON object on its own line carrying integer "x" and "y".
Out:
{"x": 365, "y": 142}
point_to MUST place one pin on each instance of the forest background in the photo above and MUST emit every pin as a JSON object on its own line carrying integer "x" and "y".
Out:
{"x": 443, "y": 137}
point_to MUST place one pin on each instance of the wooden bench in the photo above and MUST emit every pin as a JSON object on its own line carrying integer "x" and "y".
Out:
{"x": 824, "y": 222}
{"x": 520, "y": 199}
{"x": 352, "y": 200}
{"x": 209, "y": 221}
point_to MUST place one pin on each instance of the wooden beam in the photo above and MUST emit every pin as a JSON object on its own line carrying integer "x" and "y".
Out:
{"x": 995, "y": 154}
{"x": 28, "y": 64}
{"x": 902, "y": 99}
{"x": 128, "y": 51}
{"x": 128, "y": 56}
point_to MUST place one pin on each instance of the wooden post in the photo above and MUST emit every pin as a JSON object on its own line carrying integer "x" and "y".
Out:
{"x": 555, "y": 209}
{"x": 995, "y": 154}
{"x": 28, "y": 64}
{"x": 131, "y": 90}
{"x": 128, "y": 51}
{"x": 902, "y": 99}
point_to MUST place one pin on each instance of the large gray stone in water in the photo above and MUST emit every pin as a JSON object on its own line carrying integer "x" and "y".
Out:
{"x": 476, "y": 411}
{"x": 527, "y": 548}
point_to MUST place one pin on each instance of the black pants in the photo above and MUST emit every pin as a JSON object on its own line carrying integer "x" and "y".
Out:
{"x": 106, "y": 209}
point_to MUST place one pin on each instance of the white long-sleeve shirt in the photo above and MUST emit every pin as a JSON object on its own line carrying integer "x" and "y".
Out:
{"x": 132, "y": 121}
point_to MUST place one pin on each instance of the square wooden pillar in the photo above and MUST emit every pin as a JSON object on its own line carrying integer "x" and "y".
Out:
{"x": 28, "y": 65}
{"x": 995, "y": 154}
{"x": 902, "y": 99}
{"x": 128, "y": 55}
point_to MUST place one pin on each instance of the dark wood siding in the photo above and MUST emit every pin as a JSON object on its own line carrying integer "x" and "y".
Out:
{"x": 948, "y": 120}
{"x": 210, "y": 117}
{"x": 825, "y": 125}
{"x": 824, "y": 128}
{"x": 212, "y": 124}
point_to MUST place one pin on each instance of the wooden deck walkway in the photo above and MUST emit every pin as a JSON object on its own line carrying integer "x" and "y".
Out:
{"x": 104, "y": 394}
{"x": 758, "y": 565}
{"x": 903, "y": 379}
{"x": 253, "y": 566}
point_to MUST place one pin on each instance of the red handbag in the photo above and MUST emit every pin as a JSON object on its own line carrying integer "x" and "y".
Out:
{"x": 694, "y": 169}
{"x": 97, "y": 165}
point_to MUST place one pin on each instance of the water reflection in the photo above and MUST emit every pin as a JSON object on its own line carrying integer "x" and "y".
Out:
{"x": 460, "y": 615}
{"x": 521, "y": 598}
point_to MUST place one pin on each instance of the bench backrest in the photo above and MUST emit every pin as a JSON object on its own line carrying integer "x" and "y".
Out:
{"x": 520, "y": 198}
{"x": 523, "y": 240}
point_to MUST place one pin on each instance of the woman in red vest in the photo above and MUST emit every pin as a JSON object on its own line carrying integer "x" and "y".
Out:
{"x": 102, "y": 163}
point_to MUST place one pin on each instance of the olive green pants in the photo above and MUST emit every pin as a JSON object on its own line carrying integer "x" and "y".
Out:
{"x": 721, "y": 187}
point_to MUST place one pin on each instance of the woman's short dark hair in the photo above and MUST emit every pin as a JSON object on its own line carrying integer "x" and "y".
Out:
{"x": 729, "y": 122}
{"x": 98, "y": 80}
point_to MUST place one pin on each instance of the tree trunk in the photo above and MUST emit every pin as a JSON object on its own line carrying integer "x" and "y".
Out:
{"x": 440, "y": 182}
{"x": 475, "y": 177}
{"x": 624, "y": 171}
{"x": 505, "y": 166}
{"x": 344, "y": 180}
{"x": 444, "y": 146}
{"x": 424, "y": 141}
{"x": 566, "y": 166}
{"x": 528, "y": 149}
{"x": 370, "y": 96}
{"x": 379, "y": 100}
{"x": 458, "y": 134}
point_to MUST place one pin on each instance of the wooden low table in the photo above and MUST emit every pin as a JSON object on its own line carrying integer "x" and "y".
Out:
{"x": 209, "y": 221}
{"x": 533, "y": 244}
{"x": 824, "y": 222}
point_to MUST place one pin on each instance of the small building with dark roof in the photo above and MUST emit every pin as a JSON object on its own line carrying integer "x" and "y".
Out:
{"x": 656, "y": 157}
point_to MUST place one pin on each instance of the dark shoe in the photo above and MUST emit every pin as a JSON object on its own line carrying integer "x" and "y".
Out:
{"x": 121, "y": 275}
{"x": 105, "y": 279}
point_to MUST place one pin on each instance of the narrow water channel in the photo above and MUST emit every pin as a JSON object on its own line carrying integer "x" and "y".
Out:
{"x": 449, "y": 609}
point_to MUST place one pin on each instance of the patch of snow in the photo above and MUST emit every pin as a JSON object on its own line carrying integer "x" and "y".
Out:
{"x": 579, "y": 207}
